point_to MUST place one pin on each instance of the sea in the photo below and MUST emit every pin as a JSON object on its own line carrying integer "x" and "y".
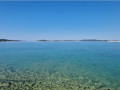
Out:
{"x": 60, "y": 65}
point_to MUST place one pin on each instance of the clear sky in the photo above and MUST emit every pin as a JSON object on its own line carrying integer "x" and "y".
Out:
{"x": 60, "y": 20}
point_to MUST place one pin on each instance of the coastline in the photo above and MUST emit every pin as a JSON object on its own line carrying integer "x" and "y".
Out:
{"x": 114, "y": 41}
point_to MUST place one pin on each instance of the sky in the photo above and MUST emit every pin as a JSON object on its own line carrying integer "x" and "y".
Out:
{"x": 76, "y": 20}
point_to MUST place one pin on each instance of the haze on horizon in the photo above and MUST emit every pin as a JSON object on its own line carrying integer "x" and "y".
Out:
{"x": 60, "y": 20}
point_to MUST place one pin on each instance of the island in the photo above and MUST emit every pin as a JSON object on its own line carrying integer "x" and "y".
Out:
{"x": 83, "y": 40}
{"x": 7, "y": 40}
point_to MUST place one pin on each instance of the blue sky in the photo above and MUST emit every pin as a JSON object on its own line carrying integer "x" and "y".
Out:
{"x": 60, "y": 20}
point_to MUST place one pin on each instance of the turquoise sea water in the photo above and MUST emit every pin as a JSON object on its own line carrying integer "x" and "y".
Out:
{"x": 59, "y": 66}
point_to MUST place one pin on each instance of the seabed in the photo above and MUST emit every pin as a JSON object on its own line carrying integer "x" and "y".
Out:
{"x": 47, "y": 79}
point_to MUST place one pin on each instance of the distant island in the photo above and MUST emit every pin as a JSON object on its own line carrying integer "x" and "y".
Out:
{"x": 82, "y": 40}
{"x": 7, "y": 40}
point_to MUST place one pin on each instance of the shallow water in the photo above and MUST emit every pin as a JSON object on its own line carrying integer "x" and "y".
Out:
{"x": 59, "y": 66}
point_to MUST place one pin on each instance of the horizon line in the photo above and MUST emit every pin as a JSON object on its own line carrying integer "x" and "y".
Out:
{"x": 59, "y": 0}
{"x": 54, "y": 39}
